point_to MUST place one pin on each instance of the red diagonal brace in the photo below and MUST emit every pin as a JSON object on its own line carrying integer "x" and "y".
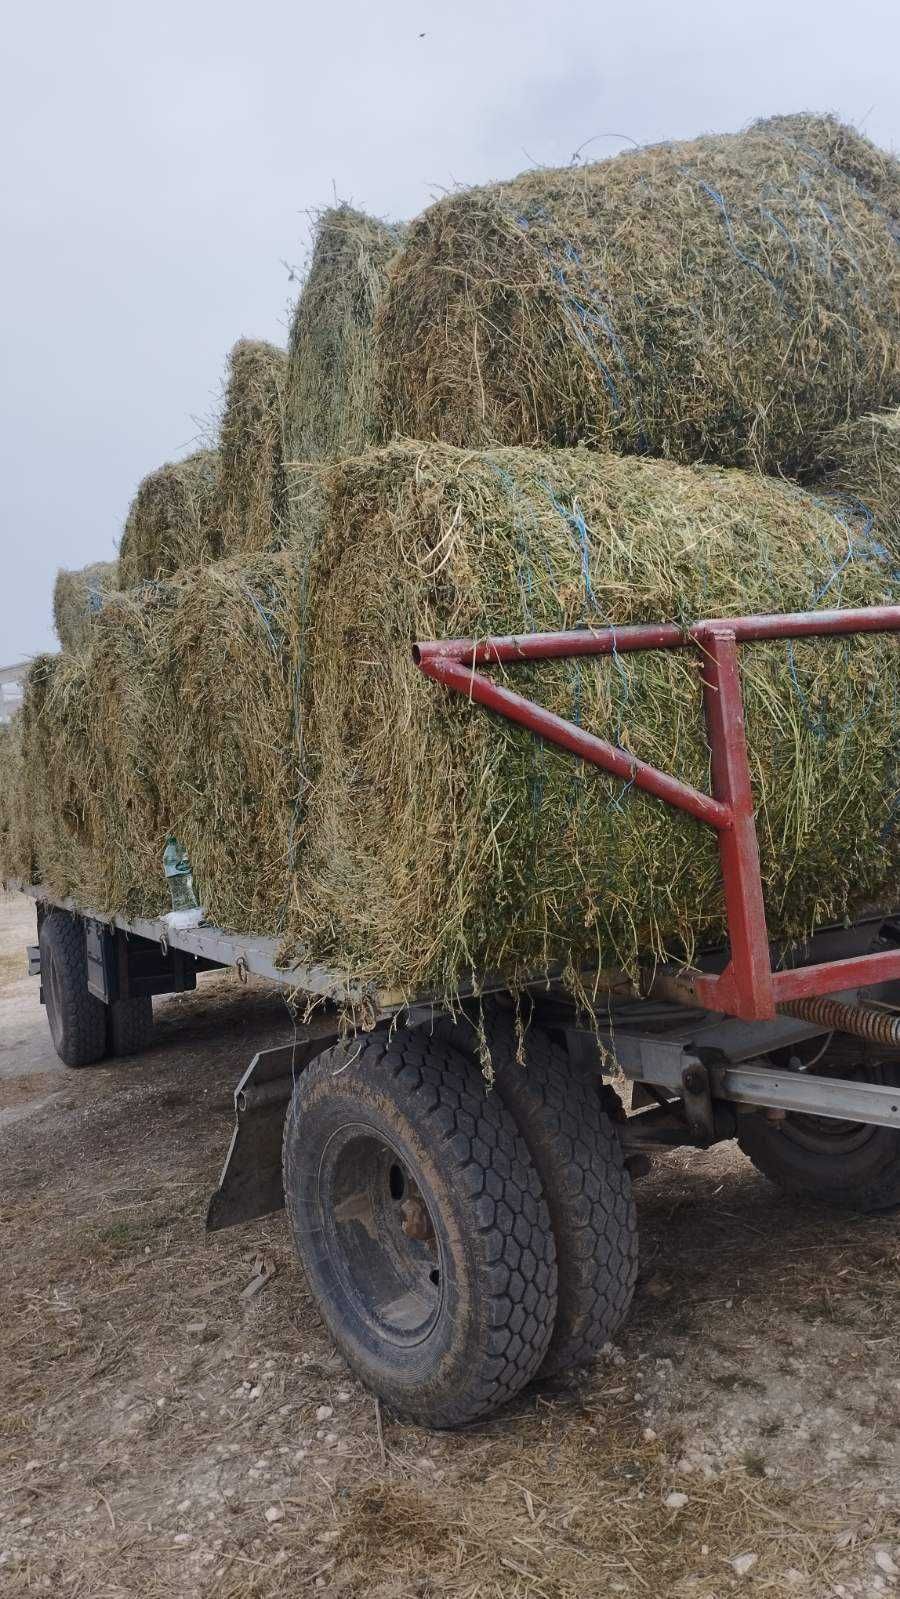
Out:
{"x": 749, "y": 976}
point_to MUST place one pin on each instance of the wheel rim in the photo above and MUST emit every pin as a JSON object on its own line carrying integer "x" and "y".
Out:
{"x": 825, "y": 1135}
{"x": 379, "y": 1233}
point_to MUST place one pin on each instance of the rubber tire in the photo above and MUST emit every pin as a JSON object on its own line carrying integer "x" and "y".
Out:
{"x": 77, "y": 1020}
{"x": 129, "y": 1026}
{"x": 866, "y": 1179}
{"x": 485, "y": 1198}
{"x": 560, "y": 1107}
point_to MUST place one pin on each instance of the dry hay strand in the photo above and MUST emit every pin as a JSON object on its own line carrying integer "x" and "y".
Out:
{"x": 171, "y": 524}
{"x": 16, "y": 842}
{"x": 862, "y": 459}
{"x": 330, "y": 393}
{"x": 77, "y": 597}
{"x": 444, "y": 843}
{"x": 581, "y": 1511}
{"x": 251, "y": 484}
{"x": 89, "y": 744}
{"x": 181, "y": 716}
{"x": 728, "y": 299}
{"x": 236, "y": 788}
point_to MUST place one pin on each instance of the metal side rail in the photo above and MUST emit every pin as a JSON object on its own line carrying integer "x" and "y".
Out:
{"x": 749, "y": 987}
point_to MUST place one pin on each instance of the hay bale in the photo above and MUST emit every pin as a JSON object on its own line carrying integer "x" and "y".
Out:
{"x": 78, "y": 596}
{"x": 442, "y": 841}
{"x": 171, "y": 524}
{"x": 182, "y": 715}
{"x": 728, "y": 299}
{"x": 16, "y": 842}
{"x": 862, "y": 459}
{"x": 251, "y": 484}
{"x": 330, "y": 393}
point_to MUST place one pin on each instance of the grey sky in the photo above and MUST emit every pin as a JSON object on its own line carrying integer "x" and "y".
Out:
{"x": 159, "y": 161}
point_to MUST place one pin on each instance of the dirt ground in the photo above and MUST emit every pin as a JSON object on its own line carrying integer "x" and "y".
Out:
{"x": 162, "y": 1437}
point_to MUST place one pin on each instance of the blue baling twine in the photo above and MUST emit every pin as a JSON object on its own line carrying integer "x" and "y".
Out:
{"x": 719, "y": 201}
{"x": 586, "y": 313}
{"x": 810, "y": 150}
{"x": 574, "y": 519}
{"x": 264, "y": 618}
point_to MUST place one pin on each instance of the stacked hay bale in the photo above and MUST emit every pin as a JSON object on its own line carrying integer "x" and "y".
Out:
{"x": 862, "y": 459}
{"x": 729, "y": 299}
{"x": 172, "y": 522}
{"x": 78, "y": 596}
{"x": 16, "y": 842}
{"x": 251, "y": 511}
{"x": 435, "y": 841}
{"x": 180, "y": 715}
{"x": 330, "y": 389}
{"x": 443, "y": 842}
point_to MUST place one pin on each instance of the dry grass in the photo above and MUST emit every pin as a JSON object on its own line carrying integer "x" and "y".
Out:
{"x": 171, "y": 524}
{"x": 435, "y": 842}
{"x": 181, "y": 716}
{"x": 77, "y": 597}
{"x": 728, "y": 299}
{"x": 330, "y": 393}
{"x": 862, "y": 460}
{"x": 251, "y": 508}
{"x": 16, "y": 841}
{"x": 443, "y": 843}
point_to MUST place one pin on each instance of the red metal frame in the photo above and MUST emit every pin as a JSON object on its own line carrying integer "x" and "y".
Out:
{"x": 748, "y": 987}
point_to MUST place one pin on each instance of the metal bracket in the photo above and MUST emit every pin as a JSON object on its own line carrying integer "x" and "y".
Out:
{"x": 756, "y": 1084}
{"x": 696, "y": 1093}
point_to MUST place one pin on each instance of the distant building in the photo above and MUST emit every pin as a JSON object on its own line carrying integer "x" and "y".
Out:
{"x": 12, "y": 683}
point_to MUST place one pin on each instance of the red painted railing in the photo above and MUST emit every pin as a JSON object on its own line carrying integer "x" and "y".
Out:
{"x": 748, "y": 987}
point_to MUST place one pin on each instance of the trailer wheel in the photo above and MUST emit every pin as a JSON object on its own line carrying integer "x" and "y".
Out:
{"x": 129, "y": 1025}
{"x": 421, "y": 1224}
{"x": 844, "y": 1163}
{"x": 77, "y": 1020}
{"x": 560, "y": 1107}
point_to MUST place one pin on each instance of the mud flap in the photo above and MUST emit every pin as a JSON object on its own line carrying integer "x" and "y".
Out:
{"x": 251, "y": 1184}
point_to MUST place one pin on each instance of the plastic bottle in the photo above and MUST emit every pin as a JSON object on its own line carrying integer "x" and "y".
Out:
{"x": 177, "y": 868}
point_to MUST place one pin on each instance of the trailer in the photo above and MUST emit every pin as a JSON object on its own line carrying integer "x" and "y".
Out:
{"x": 458, "y": 1179}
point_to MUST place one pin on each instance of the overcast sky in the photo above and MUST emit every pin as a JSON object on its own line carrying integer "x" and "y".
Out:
{"x": 160, "y": 162}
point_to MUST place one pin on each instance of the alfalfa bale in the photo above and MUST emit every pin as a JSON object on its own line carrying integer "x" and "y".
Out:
{"x": 172, "y": 521}
{"x": 237, "y": 777}
{"x": 78, "y": 596}
{"x": 182, "y": 716}
{"x": 861, "y": 459}
{"x": 727, "y": 299}
{"x": 330, "y": 391}
{"x": 444, "y": 843}
{"x": 16, "y": 841}
{"x": 251, "y": 482}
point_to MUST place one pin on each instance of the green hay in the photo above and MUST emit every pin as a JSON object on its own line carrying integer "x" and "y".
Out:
{"x": 251, "y": 486}
{"x": 862, "y": 459}
{"x": 330, "y": 394}
{"x": 171, "y": 524}
{"x": 444, "y": 842}
{"x": 180, "y": 716}
{"x": 77, "y": 596}
{"x": 16, "y": 843}
{"x": 728, "y": 299}
{"x": 437, "y": 841}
